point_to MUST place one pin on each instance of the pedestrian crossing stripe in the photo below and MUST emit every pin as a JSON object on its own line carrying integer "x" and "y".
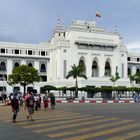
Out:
{"x": 126, "y": 136}
{"x": 104, "y": 132}
{"x": 62, "y": 122}
{"x": 62, "y": 134}
{"x": 38, "y": 119}
{"x": 47, "y": 120}
{"x": 22, "y": 120}
{"x": 24, "y": 112}
{"x": 73, "y": 125}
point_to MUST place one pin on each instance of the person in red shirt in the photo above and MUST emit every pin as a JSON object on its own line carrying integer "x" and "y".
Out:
{"x": 45, "y": 100}
{"x": 30, "y": 106}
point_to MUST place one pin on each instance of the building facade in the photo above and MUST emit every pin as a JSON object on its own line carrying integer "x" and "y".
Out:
{"x": 102, "y": 53}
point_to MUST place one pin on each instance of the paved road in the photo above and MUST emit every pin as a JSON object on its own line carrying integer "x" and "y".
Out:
{"x": 74, "y": 122}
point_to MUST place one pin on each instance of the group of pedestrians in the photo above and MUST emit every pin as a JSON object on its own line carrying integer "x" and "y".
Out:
{"x": 3, "y": 97}
{"x": 31, "y": 102}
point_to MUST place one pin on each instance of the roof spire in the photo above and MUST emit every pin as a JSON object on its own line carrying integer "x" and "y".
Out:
{"x": 58, "y": 27}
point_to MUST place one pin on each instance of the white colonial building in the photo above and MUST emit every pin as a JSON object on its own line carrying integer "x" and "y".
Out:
{"x": 101, "y": 52}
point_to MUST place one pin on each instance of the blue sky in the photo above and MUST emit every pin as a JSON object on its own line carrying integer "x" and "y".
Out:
{"x": 32, "y": 21}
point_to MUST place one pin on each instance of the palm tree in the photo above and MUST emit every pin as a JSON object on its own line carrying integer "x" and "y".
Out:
{"x": 132, "y": 78}
{"x": 75, "y": 72}
{"x": 115, "y": 78}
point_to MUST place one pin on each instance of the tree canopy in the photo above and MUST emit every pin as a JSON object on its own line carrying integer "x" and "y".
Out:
{"x": 48, "y": 88}
{"x": 23, "y": 75}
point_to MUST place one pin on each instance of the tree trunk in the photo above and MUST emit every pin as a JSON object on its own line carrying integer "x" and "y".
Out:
{"x": 76, "y": 88}
{"x": 24, "y": 88}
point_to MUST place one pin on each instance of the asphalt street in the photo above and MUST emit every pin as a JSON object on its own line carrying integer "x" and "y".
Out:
{"x": 74, "y": 121}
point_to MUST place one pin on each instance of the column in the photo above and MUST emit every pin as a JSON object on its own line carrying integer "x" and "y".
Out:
{"x": 88, "y": 66}
{"x": 36, "y": 65}
{"x": 101, "y": 65}
{"x": 9, "y": 66}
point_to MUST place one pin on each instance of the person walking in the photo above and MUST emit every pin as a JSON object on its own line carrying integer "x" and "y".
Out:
{"x": 52, "y": 98}
{"x": 15, "y": 107}
{"x": 29, "y": 104}
{"x": 45, "y": 101}
{"x": 136, "y": 98}
{"x": 36, "y": 99}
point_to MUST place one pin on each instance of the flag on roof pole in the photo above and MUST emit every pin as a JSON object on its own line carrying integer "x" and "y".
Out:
{"x": 98, "y": 14}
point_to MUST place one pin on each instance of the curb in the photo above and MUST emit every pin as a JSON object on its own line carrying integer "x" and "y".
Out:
{"x": 87, "y": 101}
{"x": 94, "y": 101}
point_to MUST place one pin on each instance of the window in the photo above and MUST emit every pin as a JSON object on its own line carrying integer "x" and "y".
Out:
{"x": 2, "y": 88}
{"x": 3, "y": 77}
{"x": 2, "y": 50}
{"x": 29, "y": 52}
{"x": 65, "y": 50}
{"x": 107, "y": 69}
{"x": 128, "y": 58}
{"x": 43, "y": 68}
{"x": 94, "y": 69}
{"x": 43, "y": 78}
{"x": 16, "y": 64}
{"x": 2, "y": 66}
{"x": 30, "y": 65}
{"x": 16, "y": 89}
{"x": 138, "y": 59}
{"x": 29, "y": 89}
{"x": 43, "y": 53}
{"x": 16, "y": 51}
{"x": 81, "y": 62}
{"x": 129, "y": 71}
{"x": 137, "y": 71}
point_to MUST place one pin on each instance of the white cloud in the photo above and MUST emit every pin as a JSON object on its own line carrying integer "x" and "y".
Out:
{"x": 135, "y": 46}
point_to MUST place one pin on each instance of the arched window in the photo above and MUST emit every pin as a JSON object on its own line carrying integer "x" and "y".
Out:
{"x": 137, "y": 71}
{"x": 30, "y": 65}
{"x": 81, "y": 62}
{"x": 2, "y": 66}
{"x": 95, "y": 71}
{"x": 16, "y": 64}
{"x": 129, "y": 71}
{"x": 43, "y": 68}
{"x": 107, "y": 69}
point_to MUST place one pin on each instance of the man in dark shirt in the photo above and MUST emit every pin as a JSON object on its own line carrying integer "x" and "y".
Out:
{"x": 52, "y": 98}
{"x": 15, "y": 107}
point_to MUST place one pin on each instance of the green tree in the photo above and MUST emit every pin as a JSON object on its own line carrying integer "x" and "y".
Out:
{"x": 75, "y": 72}
{"x": 48, "y": 88}
{"x": 115, "y": 78}
{"x": 23, "y": 75}
{"x": 132, "y": 78}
